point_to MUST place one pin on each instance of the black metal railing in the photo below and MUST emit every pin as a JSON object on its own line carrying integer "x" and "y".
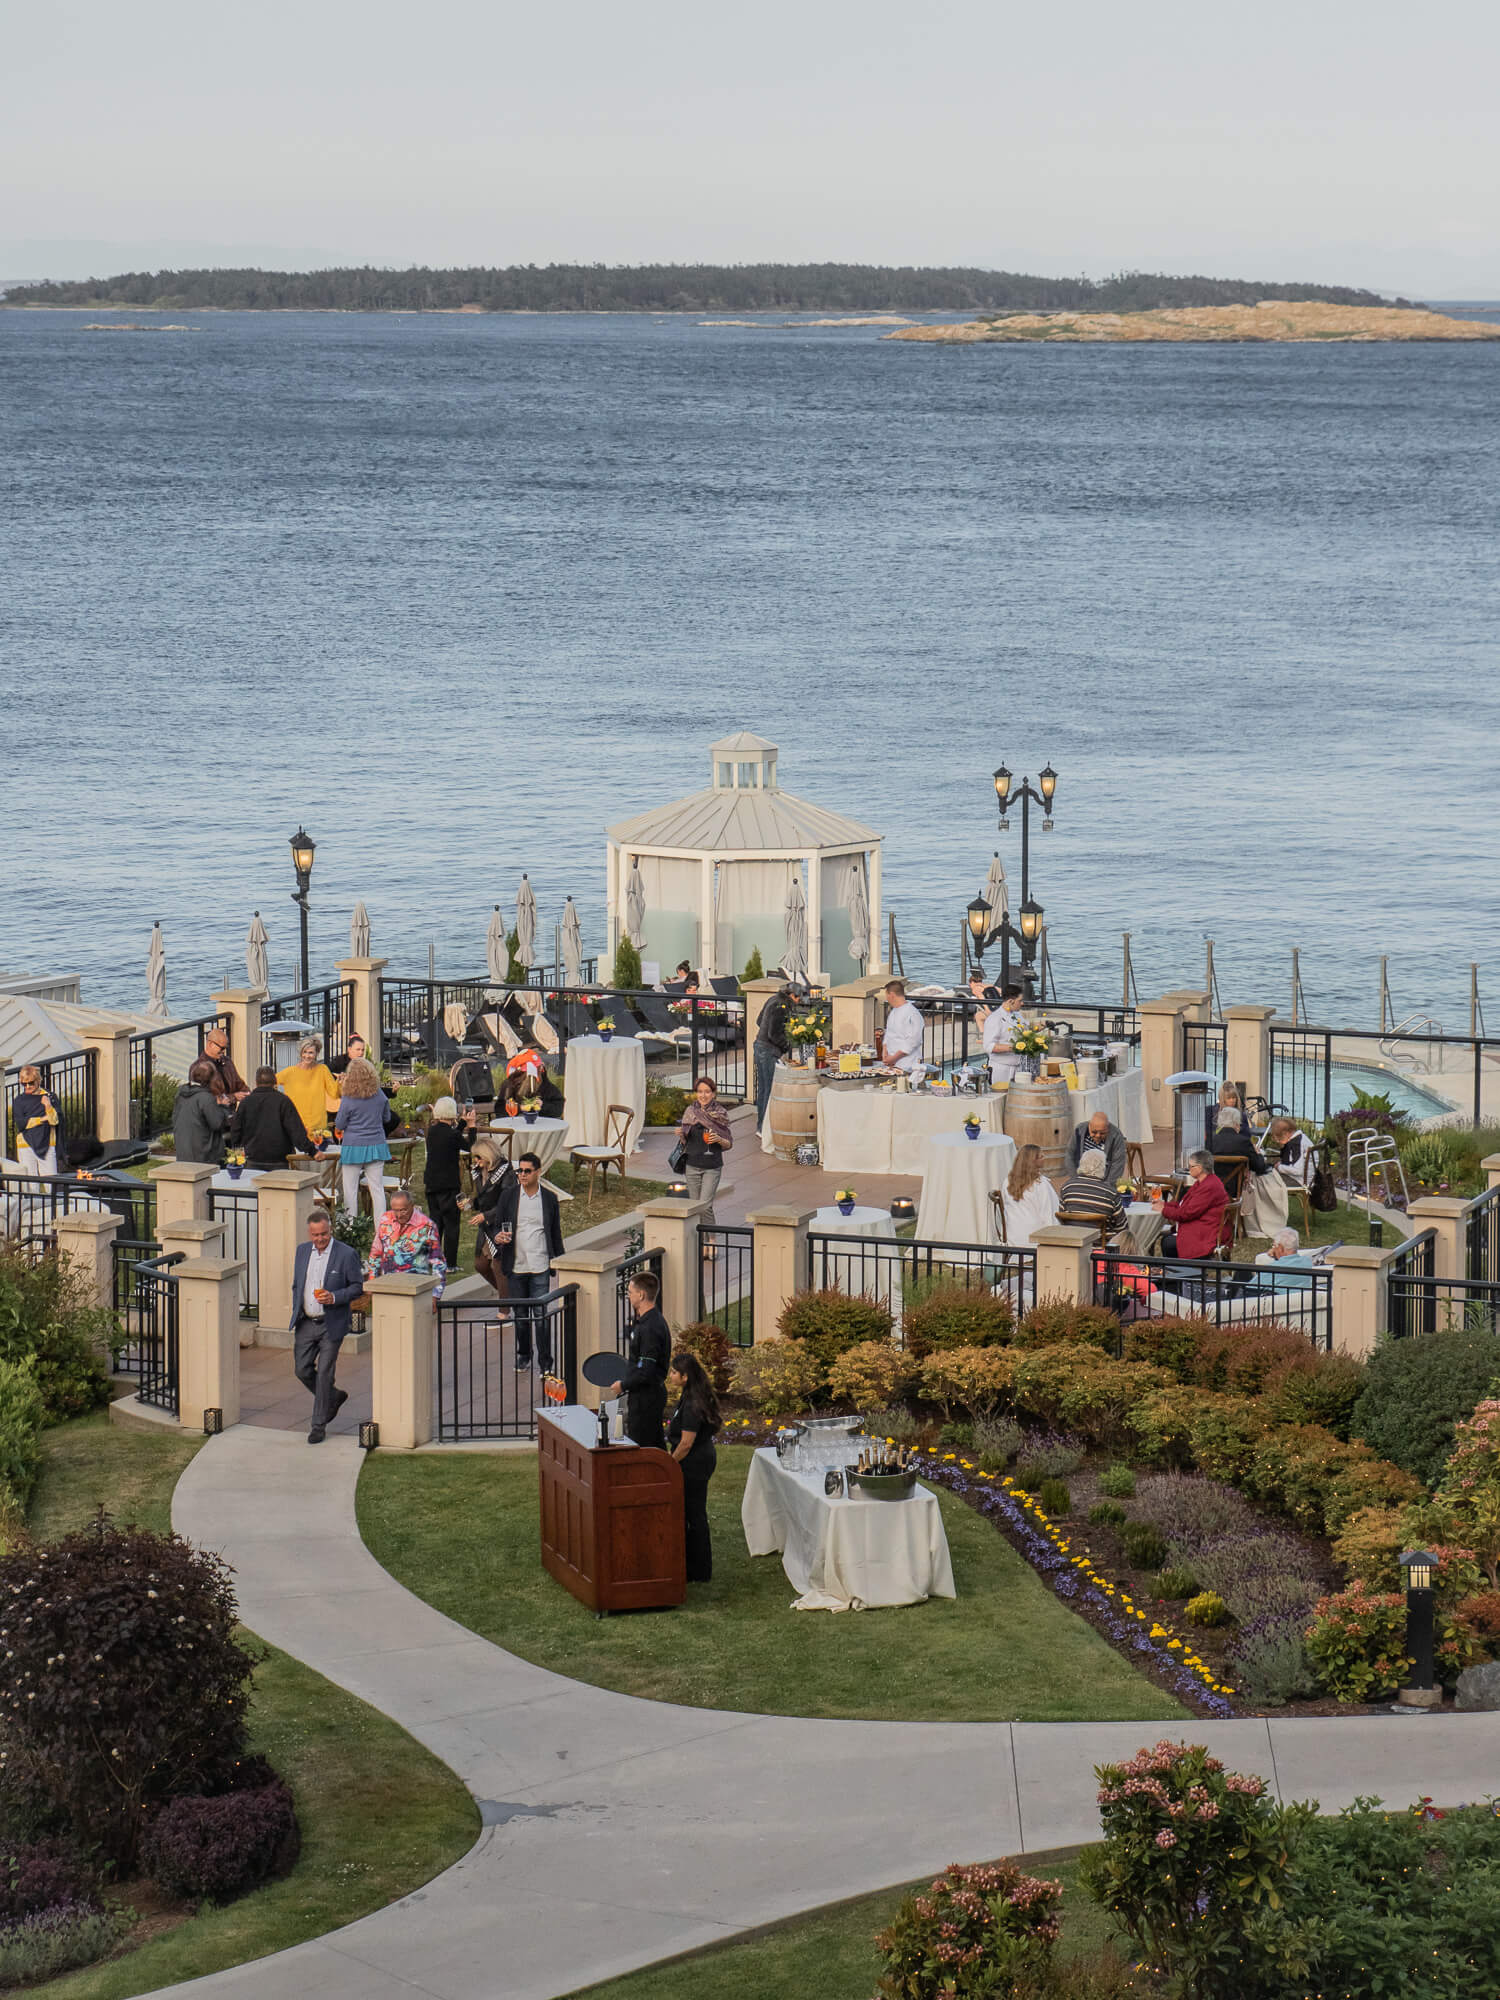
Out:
{"x": 239, "y": 1211}
{"x": 1205, "y": 1046}
{"x": 29, "y": 1207}
{"x": 631, "y": 1267}
{"x": 899, "y": 1272}
{"x": 701, "y": 1032}
{"x": 126, "y": 1252}
{"x": 726, "y": 1279}
{"x": 1426, "y": 1304}
{"x": 329, "y": 1010}
{"x": 145, "y": 1068}
{"x": 412, "y": 1024}
{"x": 1301, "y": 1078}
{"x": 953, "y": 1036}
{"x": 153, "y": 1312}
{"x": 481, "y": 1391}
{"x": 1140, "y": 1287}
{"x": 1483, "y": 1232}
{"x": 72, "y": 1081}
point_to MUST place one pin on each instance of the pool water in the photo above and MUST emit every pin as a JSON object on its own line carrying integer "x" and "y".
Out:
{"x": 1404, "y": 1092}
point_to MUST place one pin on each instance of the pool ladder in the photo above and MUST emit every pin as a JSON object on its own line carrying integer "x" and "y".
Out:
{"x": 1410, "y": 1030}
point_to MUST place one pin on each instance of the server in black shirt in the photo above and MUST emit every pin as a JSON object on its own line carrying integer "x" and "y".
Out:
{"x": 690, "y": 1439}
{"x": 649, "y": 1349}
{"x": 447, "y": 1142}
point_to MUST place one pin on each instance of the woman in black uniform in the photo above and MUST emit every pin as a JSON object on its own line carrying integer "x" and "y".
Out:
{"x": 690, "y": 1439}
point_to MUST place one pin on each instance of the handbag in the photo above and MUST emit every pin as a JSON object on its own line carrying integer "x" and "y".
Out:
{"x": 677, "y": 1158}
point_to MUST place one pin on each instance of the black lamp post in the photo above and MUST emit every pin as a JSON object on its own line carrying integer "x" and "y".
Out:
{"x": 303, "y": 849}
{"x": 1006, "y": 792}
{"x": 1419, "y": 1565}
{"x": 978, "y": 917}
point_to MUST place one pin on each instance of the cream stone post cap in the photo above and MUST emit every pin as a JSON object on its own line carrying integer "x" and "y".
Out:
{"x": 1249, "y": 1013}
{"x": 668, "y": 1206}
{"x": 1361, "y": 1256}
{"x": 402, "y": 1284}
{"x": 201, "y": 1268}
{"x": 1438, "y": 1204}
{"x": 584, "y": 1260}
{"x": 90, "y": 1222}
{"x": 287, "y": 1177}
{"x": 1067, "y": 1235}
{"x": 360, "y": 964}
{"x": 786, "y": 1217}
{"x": 182, "y": 1170}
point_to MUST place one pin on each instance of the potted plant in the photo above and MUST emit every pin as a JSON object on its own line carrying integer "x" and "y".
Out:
{"x": 234, "y": 1163}
{"x": 606, "y": 1027}
{"x": 845, "y": 1199}
{"x": 972, "y": 1127}
{"x": 1031, "y": 1043}
{"x": 530, "y": 1106}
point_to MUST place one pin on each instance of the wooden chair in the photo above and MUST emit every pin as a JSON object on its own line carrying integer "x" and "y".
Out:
{"x": 1232, "y": 1173}
{"x": 1098, "y": 1223}
{"x": 1135, "y": 1159}
{"x": 599, "y": 1159}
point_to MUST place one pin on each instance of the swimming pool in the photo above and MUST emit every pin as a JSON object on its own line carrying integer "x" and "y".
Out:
{"x": 1405, "y": 1093}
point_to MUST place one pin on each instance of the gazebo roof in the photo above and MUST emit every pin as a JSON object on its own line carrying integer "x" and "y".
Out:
{"x": 733, "y": 821}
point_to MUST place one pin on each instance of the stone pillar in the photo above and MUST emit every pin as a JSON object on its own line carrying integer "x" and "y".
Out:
{"x": 854, "y": 1009}
{"x": 1247, "y": 1049}
{"x": 1360, "y": 1298}
{"x": 243, "y": 1010}
{"x": 284, "y": 1205}
{"x": 86, "y": 1241}
{"x": 1491, "y": 1167}
{"x": 780, "y": 1263}
{"x": 1449, "y": 1216}
{"x": 758, "y": 995}
{"x": 1064, "y": 1269}
{"x": 597, "y": 1279}
{"x": 1161, "y": 1054}
{"x": 671, "y": 1226}
{"x": 1194, "y": 1002}
{"x": 208, "y": 1340}
{"x": 111, "y": 1048}
{"x": 364, "y": 975}
{"x": 181, "y": 1192}
{"x": 195, "y": 1239}
{"x": 401, "y": 1322}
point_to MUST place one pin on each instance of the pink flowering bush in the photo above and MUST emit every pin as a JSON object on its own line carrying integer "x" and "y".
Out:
{"x": 1468, "y": 1493}
{"x": 976, "y": 1932}
{"x": 1191, "y": 1869}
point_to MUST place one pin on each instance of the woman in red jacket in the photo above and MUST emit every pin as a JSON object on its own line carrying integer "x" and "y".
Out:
{"x": 1198, "y": 1215}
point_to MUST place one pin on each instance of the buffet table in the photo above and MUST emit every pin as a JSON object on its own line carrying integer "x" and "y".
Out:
{"x": 882, "y": 1130}
{"x": 1123, "y": 1099}
{"x": 598, "y": 1074}
{"x": 958, "y": 1174}
{"x": 845, "y": 1555}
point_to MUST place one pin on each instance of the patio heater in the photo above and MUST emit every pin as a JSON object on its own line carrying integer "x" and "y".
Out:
{"x": 303, "y": 848}
{"x": 1191, "y": 1088}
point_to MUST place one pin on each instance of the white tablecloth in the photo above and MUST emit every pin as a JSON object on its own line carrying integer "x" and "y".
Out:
{"x": 598, "y": 1074}
{"x": 872, "y": 1274}
{"x": 885, "y": 1131}
{"x": 956, "y": 1181}
{"x": 545, "y": 1138}
{"x": 1145, "y": 1224}
{"x": 845, "y": 1555}
{"x": 1123, "y": 1099}
{"x": 241, "y": 1220}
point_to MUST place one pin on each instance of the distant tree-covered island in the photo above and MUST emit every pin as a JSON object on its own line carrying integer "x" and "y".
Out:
{"x": 666, "y": 288}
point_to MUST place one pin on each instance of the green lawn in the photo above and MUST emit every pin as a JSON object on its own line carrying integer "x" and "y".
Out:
{"x": 462, "y": 1533}
{"x": 380, "y": 1815}
{"x": 774, "y": 1963}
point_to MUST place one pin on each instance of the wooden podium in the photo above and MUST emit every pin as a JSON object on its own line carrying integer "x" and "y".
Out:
{"x": 612, "y": 1528}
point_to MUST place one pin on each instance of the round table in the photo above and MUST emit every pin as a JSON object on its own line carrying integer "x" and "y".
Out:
{"x": 860, "y": 1221}
{"x": 598, "y": 1074}
{"x": 958, "y": 1175}
{"x": 545, "y": 1137}
{"x": 1145, "y": 1223}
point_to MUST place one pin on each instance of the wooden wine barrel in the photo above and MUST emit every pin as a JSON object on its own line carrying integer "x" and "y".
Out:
{"x": 793, "y": 1110}
{"x": 1036, "y": 1114}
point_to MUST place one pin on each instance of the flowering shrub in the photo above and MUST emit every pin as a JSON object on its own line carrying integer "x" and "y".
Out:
{"x": 711, "y": 1345}
{"x": 976, "y": 1932}
{"x": 1048, "y": 1456}
{"x": 1357, "y": 1644}
{"x": 777, "y": 1376}
{"x": 47, "y": 1315}
{"x": 124, "y": 1684}
{"x": 212, "y": 1850}
{"x": 875, "y": 1373}
{"x": 1191, "y": 1870}
{"x": 1481, "y": 1613}
{"x": 954, "y": 1316}
{"x": 829, "y": 1322}
{"x": 1469, "y": 1490}
{"x": 1082, "y": 1390}
{"x": 1207, "y": 1608}
{"x": 56, "y": 1939}
{"x": 976, "y": 1379}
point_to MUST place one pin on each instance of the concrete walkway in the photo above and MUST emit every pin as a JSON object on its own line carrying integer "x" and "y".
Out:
{"x": 620, "y": 1831}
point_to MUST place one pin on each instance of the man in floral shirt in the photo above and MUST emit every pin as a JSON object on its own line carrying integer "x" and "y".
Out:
{"x": 407, "y": 1240}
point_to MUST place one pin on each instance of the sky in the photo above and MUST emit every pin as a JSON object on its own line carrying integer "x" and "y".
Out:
{"x": 1297, "y": 139}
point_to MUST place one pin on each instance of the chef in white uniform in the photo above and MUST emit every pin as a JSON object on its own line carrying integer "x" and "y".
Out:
{"x": 901, "y": 1039}
{"x": 998, "y": 1027}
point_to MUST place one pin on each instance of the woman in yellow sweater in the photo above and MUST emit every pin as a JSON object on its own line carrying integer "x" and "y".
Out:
{"x": 310, "y": 1085}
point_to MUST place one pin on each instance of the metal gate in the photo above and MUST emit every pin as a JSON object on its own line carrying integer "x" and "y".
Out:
{"x": 493, "y": 1362}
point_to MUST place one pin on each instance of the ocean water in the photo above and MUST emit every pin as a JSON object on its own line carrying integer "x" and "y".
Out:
{"x": 458, "y": 592}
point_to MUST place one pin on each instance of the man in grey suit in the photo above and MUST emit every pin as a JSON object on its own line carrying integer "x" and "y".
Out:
{"x": 326, "y": 1276}
{"x": 1098, "y": 1135}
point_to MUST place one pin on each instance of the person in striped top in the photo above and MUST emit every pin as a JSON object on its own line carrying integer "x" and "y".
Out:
{"x": 1089, "y": 1193}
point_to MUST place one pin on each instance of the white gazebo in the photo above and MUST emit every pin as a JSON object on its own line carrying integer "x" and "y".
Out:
{"x": 717, "y": 868}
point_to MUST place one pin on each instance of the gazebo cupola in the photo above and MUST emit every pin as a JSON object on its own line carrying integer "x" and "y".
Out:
{"x": 716, "y": 872}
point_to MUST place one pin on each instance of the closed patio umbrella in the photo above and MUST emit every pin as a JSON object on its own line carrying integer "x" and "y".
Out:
{"x": 156, "y": 975}
{"x": 496, "y": 951}
{"x": 635, "y": 906}
{"x": 359, "y": 932}
{"x": 859, "y": 914}
{"x": 572, "y": 945}
{"x": 997, "y": 895}
{"x": 794, "y": 958}
{"x": 525, "y": 924}
{"x": 257, "y": 967}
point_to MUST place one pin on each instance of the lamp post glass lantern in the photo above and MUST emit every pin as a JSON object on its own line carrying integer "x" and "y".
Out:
{"x": 304, "y": 847}
{"x": 979, "y": 914}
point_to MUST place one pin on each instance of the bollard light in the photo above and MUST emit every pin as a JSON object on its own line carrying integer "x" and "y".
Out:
{"x": 213, "y": 1423}
{"x": 1420, "y": 1566}
{"x": 903, "y": 1209}
{"x": 678, "y": 1190}
{"x": 369, "y": 1436}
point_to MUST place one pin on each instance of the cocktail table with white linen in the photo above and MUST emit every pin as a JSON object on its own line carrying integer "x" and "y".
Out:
{"x": 845, "y": 1555}
{"x": 598, "y": 1074}
{"x": 959, "y": 1173}
{"x": 885, "y": 1131}
{"x": 546, "y": 1137}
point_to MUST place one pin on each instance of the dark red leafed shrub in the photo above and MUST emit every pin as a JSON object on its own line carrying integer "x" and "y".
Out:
{"x": 212, "y": 1850}
{"x": 38, "y": 1875}
{"x": 711, "y": 1345}
{"x": 123, "y": 1685}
